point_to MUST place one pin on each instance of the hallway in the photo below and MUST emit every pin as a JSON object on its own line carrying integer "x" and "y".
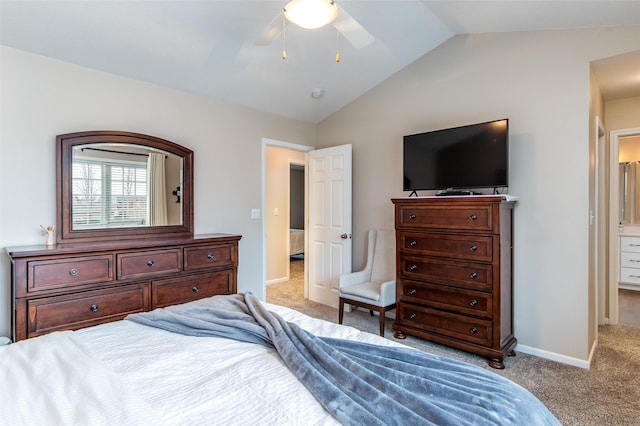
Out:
{"x": 286, "y": 293}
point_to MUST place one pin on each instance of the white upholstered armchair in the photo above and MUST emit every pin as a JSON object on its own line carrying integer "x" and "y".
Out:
{"x": 374, "y": 287}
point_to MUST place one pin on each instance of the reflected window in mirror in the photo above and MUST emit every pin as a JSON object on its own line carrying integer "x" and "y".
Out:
{"x": 124, "y": 186}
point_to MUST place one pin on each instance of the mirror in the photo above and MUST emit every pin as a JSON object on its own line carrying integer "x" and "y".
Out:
{"x": 629, "y": 180}
{"x": 122, "y": 185}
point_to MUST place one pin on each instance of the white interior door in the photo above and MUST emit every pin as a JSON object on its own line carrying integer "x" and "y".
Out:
{"x": 329, "y": 234}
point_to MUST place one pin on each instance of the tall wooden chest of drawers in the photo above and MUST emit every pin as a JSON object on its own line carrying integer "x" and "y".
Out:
{"x": 70, "y": 286}
{"x": 454, "y": 273}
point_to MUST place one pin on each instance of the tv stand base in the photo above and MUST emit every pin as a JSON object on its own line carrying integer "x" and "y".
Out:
{"x": 456, "y": 192}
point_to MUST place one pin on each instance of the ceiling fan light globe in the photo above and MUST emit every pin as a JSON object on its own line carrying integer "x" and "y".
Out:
{"x": 311, "y": 14}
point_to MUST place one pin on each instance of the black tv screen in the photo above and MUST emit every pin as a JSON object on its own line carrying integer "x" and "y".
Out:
{"x": 473, "y": 156}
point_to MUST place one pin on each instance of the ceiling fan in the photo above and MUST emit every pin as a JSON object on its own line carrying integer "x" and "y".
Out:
{"x": 316, "y": 14}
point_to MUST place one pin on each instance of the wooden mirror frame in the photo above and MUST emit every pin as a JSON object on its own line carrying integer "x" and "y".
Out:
{"x": 64, "y": 152}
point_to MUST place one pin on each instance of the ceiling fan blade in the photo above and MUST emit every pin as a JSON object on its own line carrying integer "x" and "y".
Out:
{"x": 273, "y": 30}
{"x": 352, "y": 30}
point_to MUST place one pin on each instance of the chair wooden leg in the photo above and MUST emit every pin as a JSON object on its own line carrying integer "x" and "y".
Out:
{"x": 380, "y": 309}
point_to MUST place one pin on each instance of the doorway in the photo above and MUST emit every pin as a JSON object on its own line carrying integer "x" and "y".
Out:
{"x": 621, "y": 186}
{"x": 327, "y": 216}
{"x": 296, "y": 225}
{"x": 291, "y": 291}
{"x": 284, "y": 217}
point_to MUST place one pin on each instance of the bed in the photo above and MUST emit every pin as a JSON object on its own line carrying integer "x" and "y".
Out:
{"x": 296, "y": 242}
{"x": 129, "y": 373}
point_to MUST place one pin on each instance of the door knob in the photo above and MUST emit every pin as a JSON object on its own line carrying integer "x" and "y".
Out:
{"x": 345, "y": 236}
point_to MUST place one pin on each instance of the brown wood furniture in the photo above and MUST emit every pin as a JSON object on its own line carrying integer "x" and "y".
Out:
{"x": 98, "y": 272}
{"x": 454, "y": 273}
{"x": 71, "y": 286}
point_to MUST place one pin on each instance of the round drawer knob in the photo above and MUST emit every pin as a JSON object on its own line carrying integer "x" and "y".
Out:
{"x": 473, "y": 330}
{"x": 413, "y": 267}
{"x": 195, "y": 289}
{"x": 412, "y": 216}
{"x": 473, "y": 302}
{"x": 149, "y": 262}
{"x": 473, "y": 218}
{"x": 473, "y": 248}
{"x": 473, "y": 275}
{"x": 73, "y": 272}
{"x": 412, "y": 316}
{"x": 94, "y": 308}
{"x": 209, "y": 256}
{"x": 413, "y": 243}
{"x": 413, "y": 291}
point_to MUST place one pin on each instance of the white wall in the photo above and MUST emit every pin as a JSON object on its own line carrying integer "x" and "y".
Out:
{"x": 42, "y": 98}
{"x": 622, "y": 114}
{"x": 540, "y": 81}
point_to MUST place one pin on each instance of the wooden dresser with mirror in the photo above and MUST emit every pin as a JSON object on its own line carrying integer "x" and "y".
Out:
{"x": 124, "y": 238}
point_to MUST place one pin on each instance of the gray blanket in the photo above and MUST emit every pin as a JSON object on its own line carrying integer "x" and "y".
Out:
{"x": 360, "y": 383}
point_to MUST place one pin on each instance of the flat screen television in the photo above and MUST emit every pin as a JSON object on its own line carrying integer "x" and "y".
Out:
{"x": 456, "y": 160}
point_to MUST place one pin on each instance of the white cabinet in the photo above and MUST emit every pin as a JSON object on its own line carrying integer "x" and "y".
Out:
{"x": 630, "y": 260}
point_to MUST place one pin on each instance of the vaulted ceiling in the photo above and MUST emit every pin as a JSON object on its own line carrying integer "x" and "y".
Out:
{"x": 207, "y": 47}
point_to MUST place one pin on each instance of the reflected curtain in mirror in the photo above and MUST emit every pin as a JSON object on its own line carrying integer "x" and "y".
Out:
{"x": 157, "y": 190}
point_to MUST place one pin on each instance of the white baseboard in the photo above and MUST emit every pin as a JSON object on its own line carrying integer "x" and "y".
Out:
{"x": 278, "y": 280}
{"x": 576, "y": 362}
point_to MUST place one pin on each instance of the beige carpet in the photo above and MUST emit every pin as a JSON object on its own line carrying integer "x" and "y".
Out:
{"x": 606, "y": 394}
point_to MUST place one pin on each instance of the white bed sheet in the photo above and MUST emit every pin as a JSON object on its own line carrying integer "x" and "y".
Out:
{"x": 296, "y": 241}
{"x": 207, "y": 380}
{"x": 55, "y": 380}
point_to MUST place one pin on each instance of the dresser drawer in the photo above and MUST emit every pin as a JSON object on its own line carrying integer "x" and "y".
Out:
{"x": 462, "y": 217}
{"x": 49, "y": 274}
{"x": 466, "y": 247}
{"x": 184, "y": 289}
{"x": 149, "y": 263}
{"x": 73, "y": 311}
{"x": 447, "y": 324}
{"x": 466, "y": 302}
{"x": 468, "y": 275}
{"x": 208, "y": 257}
{"x": 630, "y": 244}
{"x": 630, "y": 275}
{"x": 630, "y": 260}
